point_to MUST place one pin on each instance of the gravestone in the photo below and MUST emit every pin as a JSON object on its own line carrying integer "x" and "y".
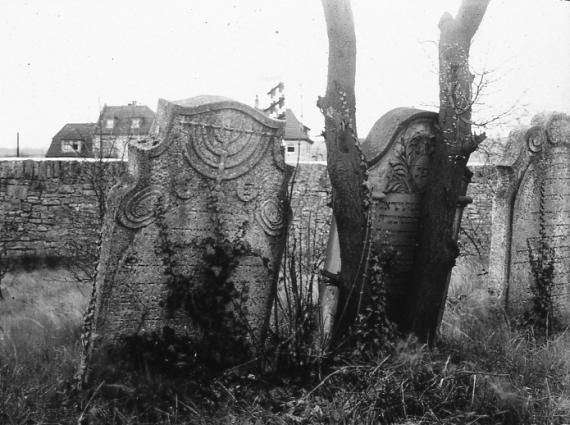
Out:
{"x": 398, "y": 150}
{"x": 531, "y": 216}
{"x": 193, "y": 240}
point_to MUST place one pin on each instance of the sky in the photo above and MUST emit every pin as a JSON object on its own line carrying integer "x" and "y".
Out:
{"x": 63, "y": 60}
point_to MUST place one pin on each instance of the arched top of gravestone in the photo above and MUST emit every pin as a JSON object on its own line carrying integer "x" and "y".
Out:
{"x": 526, "y": 143}
{"x": 168, "y": 110}
{"x": 384, "y": 131}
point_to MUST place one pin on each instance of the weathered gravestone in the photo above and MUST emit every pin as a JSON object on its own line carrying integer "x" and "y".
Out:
{"x": 398, "y": 150}
{"x": 530, "y": 238}
{"x": 193, "y": 242}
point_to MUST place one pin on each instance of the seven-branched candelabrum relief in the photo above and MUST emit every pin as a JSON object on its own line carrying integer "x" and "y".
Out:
{"x": 398, "y": 150}
{"x": 193, "y": 240}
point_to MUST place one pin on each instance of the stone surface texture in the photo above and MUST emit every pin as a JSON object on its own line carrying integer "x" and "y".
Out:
{"x": 398, "y": 150}
{"x": 531, "y": 214}
{"x": 46, "y": 204}
{"x": 209, "y": 182}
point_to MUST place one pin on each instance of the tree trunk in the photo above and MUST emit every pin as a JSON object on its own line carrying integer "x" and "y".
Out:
{"x": 437, "y": 245}
{"x": 346, "y": 164}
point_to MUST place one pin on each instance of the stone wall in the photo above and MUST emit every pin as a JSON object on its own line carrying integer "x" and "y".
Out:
{"x": 44, "y": 203}
{"x": 47, "y": 205}
{"x": 475, "y": 234}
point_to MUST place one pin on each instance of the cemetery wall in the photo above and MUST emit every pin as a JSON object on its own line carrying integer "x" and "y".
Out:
{"x": 46, "y": 203}
{"x": 475, "y": 234}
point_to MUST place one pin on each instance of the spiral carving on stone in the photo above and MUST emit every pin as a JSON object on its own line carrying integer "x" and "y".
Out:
{"x": 138, "y": 208}
{"x": 225, "y": 144}
{"x": 535, "y": 138}
{"x": 270, "y": 217}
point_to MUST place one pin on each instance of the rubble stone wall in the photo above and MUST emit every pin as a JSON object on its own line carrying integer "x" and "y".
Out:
{"x": 44, "y": 204}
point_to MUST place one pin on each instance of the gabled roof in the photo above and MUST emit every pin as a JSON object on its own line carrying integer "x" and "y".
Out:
{"x": 123, "y": 116}
{"x": 72, "y": 131}
{"x": 294, "y": 129}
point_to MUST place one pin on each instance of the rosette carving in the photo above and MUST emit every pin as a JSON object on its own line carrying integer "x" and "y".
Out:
{"x": 270, "y": 217}
{"x": 182, "y": 187}
{"x": 138, "y": 209}
{"x": 247, "y": 189}
{"x": 558, "y": 129}
{"x": 224, "y": 145}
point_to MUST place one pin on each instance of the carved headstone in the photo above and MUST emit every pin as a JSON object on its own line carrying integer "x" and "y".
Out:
{"x": 193, "y": 242}
{"x": 531, "y": 215}
{"x": 398, "y": 150}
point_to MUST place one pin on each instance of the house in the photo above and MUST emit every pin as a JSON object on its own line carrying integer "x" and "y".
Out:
{"x": 118, "y": 125}
{"x": 73, "y": 140}
{"x": 299, "y": 147}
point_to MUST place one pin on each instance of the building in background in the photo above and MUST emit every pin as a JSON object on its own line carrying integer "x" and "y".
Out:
{"x": 299, "y": 147}
{"x": 117, "y": 126}
{"x": 276, "y": 108}
{"x": 73, "y": 140}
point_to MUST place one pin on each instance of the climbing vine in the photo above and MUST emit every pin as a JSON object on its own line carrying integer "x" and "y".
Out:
{"x": 214, "y": 304}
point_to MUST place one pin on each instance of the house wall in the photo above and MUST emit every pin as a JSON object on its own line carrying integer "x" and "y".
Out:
{"x": 114, "y": 146}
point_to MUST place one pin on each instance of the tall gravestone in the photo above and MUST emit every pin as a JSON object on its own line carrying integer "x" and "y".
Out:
{"x": 193, "y": 241}
{"x": 398, "y": 150}
{"x": 531, "y": 216}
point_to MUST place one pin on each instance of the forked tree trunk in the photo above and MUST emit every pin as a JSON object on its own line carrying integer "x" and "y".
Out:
{"x": 346, "y": 164}
{"x": 437, "y": 245}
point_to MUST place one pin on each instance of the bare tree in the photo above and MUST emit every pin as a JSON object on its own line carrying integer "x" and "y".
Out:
{"x": 346, "y": 164}
{"x": 449, "y": 176}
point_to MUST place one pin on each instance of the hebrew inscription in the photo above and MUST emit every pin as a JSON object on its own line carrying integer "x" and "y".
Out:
{"x": 398, "y": 149}
{"x": 532, "y": 233}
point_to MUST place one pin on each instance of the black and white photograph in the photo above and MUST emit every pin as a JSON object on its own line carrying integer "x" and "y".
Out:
{"x": 255, "y": 212}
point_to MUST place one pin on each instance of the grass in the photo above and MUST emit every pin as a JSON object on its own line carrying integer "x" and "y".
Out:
{"x": 482, "y": 372}
{"x": 40, "y": 320}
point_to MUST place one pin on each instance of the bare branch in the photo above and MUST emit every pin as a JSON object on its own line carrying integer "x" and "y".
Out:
{"x": 469, "y": 17}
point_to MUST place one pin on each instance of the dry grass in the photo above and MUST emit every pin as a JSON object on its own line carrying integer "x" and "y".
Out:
{"x": 39, "y": 345}
{"x": 482, "y": 372}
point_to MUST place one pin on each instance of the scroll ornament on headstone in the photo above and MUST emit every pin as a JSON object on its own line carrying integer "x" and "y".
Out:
{"x": 193, "y": 242}
{"x": 530, "y": 234}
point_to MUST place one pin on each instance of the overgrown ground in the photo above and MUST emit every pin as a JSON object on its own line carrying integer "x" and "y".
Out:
{"x": 482, "y": 372}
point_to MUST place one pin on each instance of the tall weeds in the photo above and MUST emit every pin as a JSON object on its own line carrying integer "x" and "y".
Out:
{"x": 294, "y": 316}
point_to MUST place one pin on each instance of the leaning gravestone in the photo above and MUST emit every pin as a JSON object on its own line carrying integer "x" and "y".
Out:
{"x": 193, "y": 242}
{"x": 398, "y": 151}
{"x": 531, "y": 216}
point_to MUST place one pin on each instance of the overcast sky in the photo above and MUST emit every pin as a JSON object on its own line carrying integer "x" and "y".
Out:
{"x": 62, "y": 60}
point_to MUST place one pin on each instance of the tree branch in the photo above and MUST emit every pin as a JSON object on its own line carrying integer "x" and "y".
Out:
{"x": 469, "y": 17}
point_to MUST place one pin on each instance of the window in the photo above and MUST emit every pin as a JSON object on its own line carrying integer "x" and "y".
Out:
{"x": 136, "y": 123}
{"x": 290, "y": 148}
{"x": 71, "y": 146}
{"x": 109, "y": 123}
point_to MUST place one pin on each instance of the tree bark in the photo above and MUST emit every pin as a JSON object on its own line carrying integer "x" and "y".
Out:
{"x": 448, "y": 174}
{"x": 346, "y": 164}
